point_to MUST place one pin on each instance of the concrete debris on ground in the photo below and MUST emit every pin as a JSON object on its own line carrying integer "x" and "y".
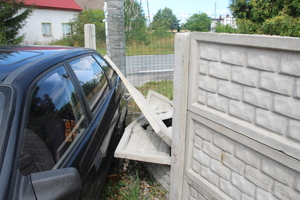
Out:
{"x": 140, "y": 142}
{"x": 149, "y": 137}
{"x": 148, "y": 111}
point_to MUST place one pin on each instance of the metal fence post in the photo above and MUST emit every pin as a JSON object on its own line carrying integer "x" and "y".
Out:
{"x": 115, "y": 34}
{"x": 90, "y": 36}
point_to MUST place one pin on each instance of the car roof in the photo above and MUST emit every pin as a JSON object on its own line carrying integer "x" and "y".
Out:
{"x": 13, "y": 58}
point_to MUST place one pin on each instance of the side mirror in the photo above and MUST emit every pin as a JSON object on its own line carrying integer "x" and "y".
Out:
{"x": 57, "y": 184}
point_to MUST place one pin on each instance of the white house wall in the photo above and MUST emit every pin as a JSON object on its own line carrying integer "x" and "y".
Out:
{"x": 33, "y": 27}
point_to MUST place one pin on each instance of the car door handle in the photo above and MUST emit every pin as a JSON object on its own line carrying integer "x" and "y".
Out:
{"x": 127, "y": 97}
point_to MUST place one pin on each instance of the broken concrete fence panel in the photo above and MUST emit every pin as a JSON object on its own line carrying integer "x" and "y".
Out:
{"x": 142, "y": 121}
{"x": 159, "y": 102}
{"x": 156, "y": 123}
{"x": 143, "y": 145}
{"x": 127, "y": 133}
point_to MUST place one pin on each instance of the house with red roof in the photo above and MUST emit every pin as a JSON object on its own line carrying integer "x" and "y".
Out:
{"x": 49, "y": 21}
{"x": 91, "y": 4}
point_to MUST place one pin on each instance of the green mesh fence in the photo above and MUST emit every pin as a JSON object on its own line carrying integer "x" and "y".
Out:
{"x": 149, "y": 59}
{"x": 150, "y": 47}
{"x": 151, "y": 65}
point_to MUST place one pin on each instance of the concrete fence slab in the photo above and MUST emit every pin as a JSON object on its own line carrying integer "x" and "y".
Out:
{"x": 236, "y": 117}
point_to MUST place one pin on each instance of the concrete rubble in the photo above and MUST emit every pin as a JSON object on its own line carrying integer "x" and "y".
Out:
{"x": 148, "y": 111}
{"x": 140, "y": 142}
{"x": 149, "y": 137}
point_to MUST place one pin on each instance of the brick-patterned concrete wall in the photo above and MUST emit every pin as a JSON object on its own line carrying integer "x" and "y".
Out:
{"x": 256, "y": 85}
{"x": 238, "y": 171}
{"x": 239, "y": 122}
{"x": 161, "y": 173}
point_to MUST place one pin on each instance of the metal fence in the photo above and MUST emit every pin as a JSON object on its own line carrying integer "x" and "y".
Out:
{"x": 149, "y": 59}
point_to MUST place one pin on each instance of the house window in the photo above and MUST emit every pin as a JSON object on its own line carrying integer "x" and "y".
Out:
{"x": 66, "y": 29}
{"x": 46, "y": 29}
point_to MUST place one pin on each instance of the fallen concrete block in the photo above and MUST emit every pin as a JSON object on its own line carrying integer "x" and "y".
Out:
{"x": 141, "y": 144}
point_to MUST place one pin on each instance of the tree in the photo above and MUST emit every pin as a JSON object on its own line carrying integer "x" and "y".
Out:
{"x": 221, "y": 28}
{"x": 90, "y": 16}
{"x": 165, "y": 20}
{"x": 134, "y": 22}
{"x": 12, "y": 19}
{"x": 273, "y": 17}
{"x": 198, "y": 22}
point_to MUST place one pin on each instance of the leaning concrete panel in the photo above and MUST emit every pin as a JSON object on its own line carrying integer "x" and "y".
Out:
{"x": 157, "y": 124}
{"x": 141, "y": 143}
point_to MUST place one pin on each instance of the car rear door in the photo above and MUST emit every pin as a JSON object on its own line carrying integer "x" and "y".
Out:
{"x": 102, "y": 105}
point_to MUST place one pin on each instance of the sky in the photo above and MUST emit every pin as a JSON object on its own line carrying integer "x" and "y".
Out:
{"x": 187, "y": 7}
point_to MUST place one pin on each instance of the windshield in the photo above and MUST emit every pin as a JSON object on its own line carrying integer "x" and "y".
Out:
{"x": 10, "y": 57}
{"x": 5, "y": 98}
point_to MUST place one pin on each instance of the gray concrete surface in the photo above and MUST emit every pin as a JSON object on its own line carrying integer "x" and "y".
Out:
{"x": 236, "y": 117}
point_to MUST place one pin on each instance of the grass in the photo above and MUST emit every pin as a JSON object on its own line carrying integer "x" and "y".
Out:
{"x": 163, "y": 87}
{"x": 155, "y": 45}
{"x": 129, "y": 180}
{"x": 133, "y": 189}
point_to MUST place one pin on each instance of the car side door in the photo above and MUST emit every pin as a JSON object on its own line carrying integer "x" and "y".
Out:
{"x": 99, "y": 98}
{"x": 52, "y": 101}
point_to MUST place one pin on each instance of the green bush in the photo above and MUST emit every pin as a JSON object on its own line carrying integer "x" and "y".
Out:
{"x": 220, "y": 28}
{"x": 198, "y": 22}
{"x": 272, "y": 17}
{"x": 282, "y": 25}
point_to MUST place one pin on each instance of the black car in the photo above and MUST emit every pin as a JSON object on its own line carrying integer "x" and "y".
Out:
{"x": 62, "y": 114}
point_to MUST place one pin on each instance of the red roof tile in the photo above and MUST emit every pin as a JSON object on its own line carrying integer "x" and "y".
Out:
{"x": 54, "y": 4}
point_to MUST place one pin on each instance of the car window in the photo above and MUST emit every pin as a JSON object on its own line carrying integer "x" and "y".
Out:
{"x": 55, "y": 120}
{"x": 92, "y": 79}
{"x": 2, "y": 101}
{"x": 111, "y": 74}
{"x": 5, "y": 103}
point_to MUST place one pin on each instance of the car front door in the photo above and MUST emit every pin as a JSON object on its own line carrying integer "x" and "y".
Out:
{"x": 72, "y": 117}
{"x": 55, "y": 123}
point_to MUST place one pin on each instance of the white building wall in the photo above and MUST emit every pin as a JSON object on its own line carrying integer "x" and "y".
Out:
{"x": 33, "y": 27}
{"x": 227, "y": 20}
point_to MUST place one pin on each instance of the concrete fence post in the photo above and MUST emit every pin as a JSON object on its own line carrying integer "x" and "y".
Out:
{"x": 181, "y": 69}
{"x": 115, "y": 32}
{"x": 90, "y": 36}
